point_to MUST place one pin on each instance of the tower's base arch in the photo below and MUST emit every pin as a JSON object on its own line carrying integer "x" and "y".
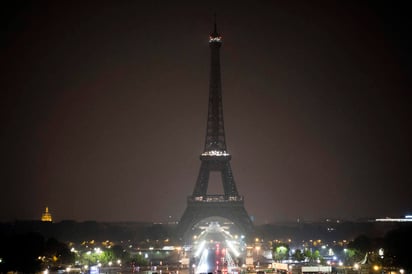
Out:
{"x": 214, "y": 206}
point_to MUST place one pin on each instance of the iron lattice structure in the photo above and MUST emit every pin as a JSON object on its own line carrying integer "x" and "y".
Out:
{"x": 215, "y": 158}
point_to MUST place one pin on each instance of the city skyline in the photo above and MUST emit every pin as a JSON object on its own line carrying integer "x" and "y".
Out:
{"x": 105, "y": 109}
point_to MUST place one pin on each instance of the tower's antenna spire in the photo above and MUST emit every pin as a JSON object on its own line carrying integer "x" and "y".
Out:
{"x": 214, "y": 34}
{"x": 214, "y": 21}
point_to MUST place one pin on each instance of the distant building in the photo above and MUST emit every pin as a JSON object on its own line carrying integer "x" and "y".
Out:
{"x": 46, "y": 216}
{"x": 408, "y": 218}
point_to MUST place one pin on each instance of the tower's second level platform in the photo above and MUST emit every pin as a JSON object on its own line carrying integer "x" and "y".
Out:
{"x": 215, "y": 199}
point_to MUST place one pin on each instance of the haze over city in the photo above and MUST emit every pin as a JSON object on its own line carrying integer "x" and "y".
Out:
{"x": 104, "y": 108}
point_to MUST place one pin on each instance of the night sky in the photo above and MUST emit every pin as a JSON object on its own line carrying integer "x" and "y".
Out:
{"x": 104, "y": 106}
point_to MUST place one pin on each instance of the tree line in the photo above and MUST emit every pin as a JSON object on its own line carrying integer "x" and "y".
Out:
{"x": 32, "y": 253}
{"x": 393, "y": 250}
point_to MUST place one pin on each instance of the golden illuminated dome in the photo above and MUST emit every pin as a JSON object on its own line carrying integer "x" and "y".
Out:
{"x": 46, "y": 216}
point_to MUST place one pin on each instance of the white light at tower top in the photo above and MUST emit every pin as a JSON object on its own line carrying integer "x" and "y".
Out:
{"x": 215, "y": 39}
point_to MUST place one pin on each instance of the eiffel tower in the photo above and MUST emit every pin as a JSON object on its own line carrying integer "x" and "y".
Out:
{"x": 215, "y": 158}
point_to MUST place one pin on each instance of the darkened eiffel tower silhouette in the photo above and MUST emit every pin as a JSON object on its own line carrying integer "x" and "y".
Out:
{"x": 214, "y": 158}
